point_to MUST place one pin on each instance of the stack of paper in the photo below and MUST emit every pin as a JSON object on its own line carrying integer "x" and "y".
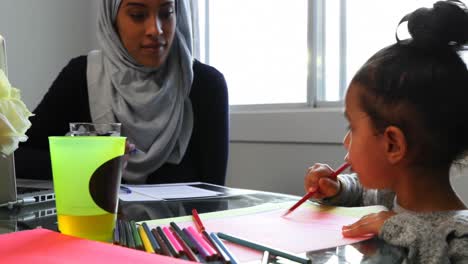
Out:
{"x": 159, "y": 192}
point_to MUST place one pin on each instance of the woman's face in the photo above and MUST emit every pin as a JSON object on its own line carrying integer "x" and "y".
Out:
{"x": 146, "y": 29}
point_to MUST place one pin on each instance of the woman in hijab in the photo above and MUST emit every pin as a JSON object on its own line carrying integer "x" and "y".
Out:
{"x": 174, "y": 109}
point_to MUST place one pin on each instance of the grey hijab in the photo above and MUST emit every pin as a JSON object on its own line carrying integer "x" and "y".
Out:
{"x": 152, "y": 104}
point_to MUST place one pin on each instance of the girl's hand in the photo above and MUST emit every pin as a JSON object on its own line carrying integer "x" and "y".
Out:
{"x": 318, "y": 177}
{"x": 369, "y": 224}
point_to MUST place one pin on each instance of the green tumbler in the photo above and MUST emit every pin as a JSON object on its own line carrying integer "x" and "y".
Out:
{"x": 86, "y": 173}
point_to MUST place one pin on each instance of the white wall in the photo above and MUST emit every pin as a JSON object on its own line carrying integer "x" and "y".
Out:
{"x": 41, "y": 37}
{"x": 278, "y": 167}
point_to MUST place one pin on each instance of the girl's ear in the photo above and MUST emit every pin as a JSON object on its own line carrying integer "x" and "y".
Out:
{"x": 395, "y": 144}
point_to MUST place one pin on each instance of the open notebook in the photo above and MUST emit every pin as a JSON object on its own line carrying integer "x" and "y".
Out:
{"x": 19, "y": 192}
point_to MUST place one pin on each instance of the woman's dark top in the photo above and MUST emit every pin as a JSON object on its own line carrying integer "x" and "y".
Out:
{"x": 67, "y": 101}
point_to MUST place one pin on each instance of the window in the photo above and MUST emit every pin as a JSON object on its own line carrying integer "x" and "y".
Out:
{"x": 297, "y": 52}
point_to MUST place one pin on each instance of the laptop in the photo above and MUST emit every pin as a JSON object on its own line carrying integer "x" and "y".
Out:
{"x": 16, "y": 192}
{"x": 21, "y": 192}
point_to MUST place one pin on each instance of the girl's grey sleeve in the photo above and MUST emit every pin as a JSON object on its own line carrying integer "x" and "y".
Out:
{"x": 353, "y": 194}
{"x": 429, "y": 238}
{"x": 350, "y": 192}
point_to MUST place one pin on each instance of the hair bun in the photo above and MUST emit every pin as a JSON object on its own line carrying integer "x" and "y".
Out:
{"x": 444, "y": 24}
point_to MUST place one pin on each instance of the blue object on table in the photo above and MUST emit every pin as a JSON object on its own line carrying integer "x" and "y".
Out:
{"x": 125, "y": 189}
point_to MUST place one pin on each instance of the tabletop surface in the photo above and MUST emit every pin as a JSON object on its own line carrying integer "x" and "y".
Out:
{"x": 44, "y": 215}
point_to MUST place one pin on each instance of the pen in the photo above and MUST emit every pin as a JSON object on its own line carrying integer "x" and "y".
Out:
{"x": 309, "y": 194}
{"x": 259, "y": 247}
{"x": 135, "y": 151}
{"x": 125, "y": 189}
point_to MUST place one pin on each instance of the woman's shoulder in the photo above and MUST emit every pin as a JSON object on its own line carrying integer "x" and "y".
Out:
{"x": 75, "y": 66}
{"x": 79, "y": 61}
{"x": 205, "y": 71}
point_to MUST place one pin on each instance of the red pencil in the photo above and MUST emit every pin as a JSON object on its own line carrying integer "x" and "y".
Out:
{"x": 197, "y": 220}
{"x": 309, "y": 194}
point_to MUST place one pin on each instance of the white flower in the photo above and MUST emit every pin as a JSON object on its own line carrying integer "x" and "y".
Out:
{"x": 14, "y": 116}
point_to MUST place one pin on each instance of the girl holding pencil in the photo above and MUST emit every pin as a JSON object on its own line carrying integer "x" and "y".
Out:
{"x": 407, "y": 110}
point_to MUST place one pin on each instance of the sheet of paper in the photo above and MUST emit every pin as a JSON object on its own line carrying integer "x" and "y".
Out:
{"x": 163, "y": 192}
{"x": 310, "y": 227}
{"x": 45, "y": 246}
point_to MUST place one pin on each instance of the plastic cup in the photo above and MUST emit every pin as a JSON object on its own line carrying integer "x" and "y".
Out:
{"x": 94, "y": 129}
{"x": 86, "y": 173}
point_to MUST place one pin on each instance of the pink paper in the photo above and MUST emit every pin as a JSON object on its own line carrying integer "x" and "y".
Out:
{"x": 301, "y": 231}
{"x": 45, "y": 246}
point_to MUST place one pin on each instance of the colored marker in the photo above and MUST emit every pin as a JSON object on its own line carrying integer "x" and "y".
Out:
{"x": 136, "y": 235}
{"x": 187, "y": 250}
{"x": 168, "y": 243}
{"x": 177, "y": 246}
{"x": 152, "y": 239}
{"x": 197, "y": 220}
{"x": 130, "y": 238}
{"x": 218, "y": 249}
{"x": 164, "y": 249}
{"x": 184, "y": 237}
{"x": 203, "y": 242}
{"x": 309, "y": 194}
{"x": 123, "y": 234}
{"x": 224, "y": 248}
{"x": 203, "y": 251}
{"x": 116, "y": 237}
{"x": 259, "y": 247}
{"x": 145, "y": 240}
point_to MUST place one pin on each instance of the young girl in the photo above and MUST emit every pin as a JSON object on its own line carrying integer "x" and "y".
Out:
{"x": 407, "y": 112}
